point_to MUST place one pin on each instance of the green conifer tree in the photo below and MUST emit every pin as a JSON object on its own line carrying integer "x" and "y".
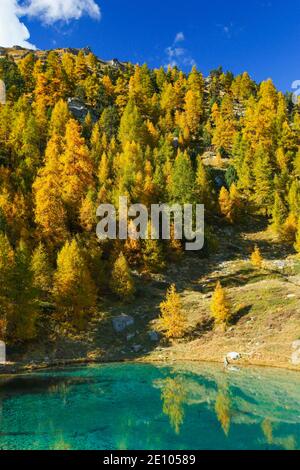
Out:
{"x": 132, "y": 127}
{"x": 182, "y": 179}
{"x": 21, "y": 320}
{"x": 279, "y": 214}
{"x": 42, "y": 272}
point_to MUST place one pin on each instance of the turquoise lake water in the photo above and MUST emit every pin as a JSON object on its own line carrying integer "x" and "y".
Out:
{"x": 132, "y": 406}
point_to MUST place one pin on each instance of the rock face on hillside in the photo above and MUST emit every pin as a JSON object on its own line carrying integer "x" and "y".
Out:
{"x": 79, "y": 109}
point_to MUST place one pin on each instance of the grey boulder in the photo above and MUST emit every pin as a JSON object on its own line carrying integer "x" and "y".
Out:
{"x": 153, "y": 336}
{"x": 122, "y": 322}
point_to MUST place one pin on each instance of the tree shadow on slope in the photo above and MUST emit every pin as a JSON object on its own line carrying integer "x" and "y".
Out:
{"x": 241, "y": 313}
{"x": 200, "y": 329}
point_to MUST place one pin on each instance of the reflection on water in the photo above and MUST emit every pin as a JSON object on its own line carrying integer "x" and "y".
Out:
{"x": 267, "y": 429}
{"x": 223, "y": 409}
{"x": 173, "y": 396}
{"x": 130, "y": 406}
{"x": 61, "y": 444}
{"x": 287, "y": 443}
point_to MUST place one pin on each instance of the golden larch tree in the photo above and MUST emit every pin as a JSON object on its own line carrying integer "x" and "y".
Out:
{"x": 225, "y": 203}
{"x": 41, "y": 269}
{"x": 121, "y": 282}
{"x": 50, "y": 213}
{"x": 77, "y": 166}
{"x": 256, "y": 258}
{"x": 74, "y": 291}
{"x": 220, "y": 307}
{"x": 173, "y": 321}
{"x": 297, "y": 244}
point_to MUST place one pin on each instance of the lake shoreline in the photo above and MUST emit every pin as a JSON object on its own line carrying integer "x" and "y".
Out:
{"x": 12, "y": 369}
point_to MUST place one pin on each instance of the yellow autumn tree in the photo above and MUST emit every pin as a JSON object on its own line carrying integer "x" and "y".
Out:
{"x": 103, "y": 170}
{"x": 87, "y": 213}
{"x": 81, "y": 69}
{"x": 141, "y": 88}
{"x": 59, "y": 118}
{"x": 42, "y": 97}
{"x": 236, "y": 203}
{"x": 121, "y": 282}
{"x": 220, "y": 307}
{"x": 256, "y": 258}
{"x": 77, "y": 166}
{"x": 260, "y": 117}
{"x": 290, "y": 228}
{"x": 50, "y": 213}
{"x": 133, "y": 246}
{"x": 121, "y": 92}
{"x": 149, "y": 187}
{"x": 169, "y": 98}
{"x": 297, "y": 244}
{"x": 68, "y": 65}
{"x": 225, "y": 203}
{"x": 41, "y": 269}
{"x": 7, "y": 263}
{"x": 225, "y": 125}
{"x": 173, "y": 321}
{"x": 193, "y": 111}
{"x": 73, "y": 290}
{"x": 204, "y": 190}
{"x": 230, "y": 203}
{"x": 132, "y": 127}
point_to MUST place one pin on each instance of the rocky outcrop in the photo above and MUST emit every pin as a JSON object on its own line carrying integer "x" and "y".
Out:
{"x": 153, "y": 336}
{"x": 122, "y": 322}
{"x": 78, "y": 108}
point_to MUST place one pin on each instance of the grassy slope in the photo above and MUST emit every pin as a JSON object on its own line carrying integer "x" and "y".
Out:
{"x": 265, "y": 304}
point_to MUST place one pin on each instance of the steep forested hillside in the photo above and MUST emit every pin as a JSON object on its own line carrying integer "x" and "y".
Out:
{"x": 77, "y": 132}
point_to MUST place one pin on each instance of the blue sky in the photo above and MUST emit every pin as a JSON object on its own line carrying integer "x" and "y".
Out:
{"x": 261, "y": 36}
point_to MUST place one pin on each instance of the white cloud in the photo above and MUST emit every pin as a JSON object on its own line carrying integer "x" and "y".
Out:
{"x": 50, "y": 11}
{"x": 173, "y": 52}
{"x": 230, "y": 30}
{"x": 14, "y": 32}
{"x": 179, "y": 37}
{"x": 179, "y": 56}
